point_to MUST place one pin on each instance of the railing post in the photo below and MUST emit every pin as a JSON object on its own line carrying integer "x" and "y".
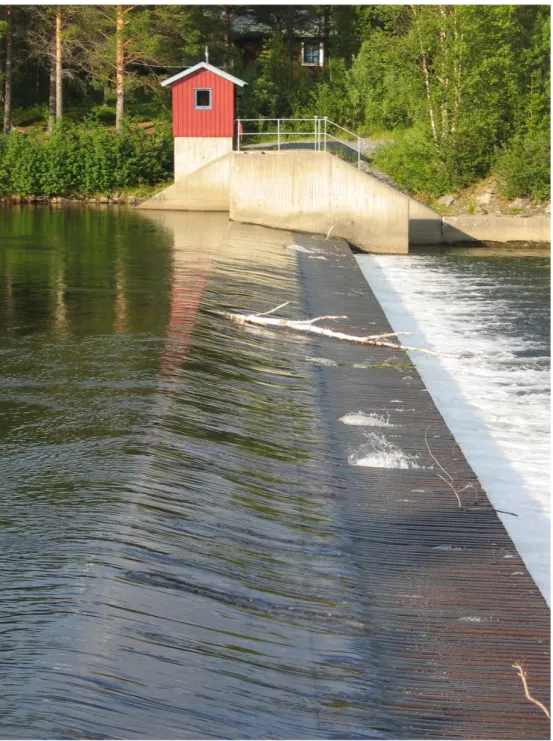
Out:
{"x": 358, "y": 153}
{"x": 238, "y": 127}
{"x": 278, "y": 134}
{"x": 326, "y": 119}
{"x": 315, "y": 120}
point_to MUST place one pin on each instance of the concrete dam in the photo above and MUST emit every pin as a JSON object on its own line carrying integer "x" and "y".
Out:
{"x": 307, "y": 191}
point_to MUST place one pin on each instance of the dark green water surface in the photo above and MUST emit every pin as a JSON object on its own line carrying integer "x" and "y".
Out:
{"x": 171, "y": 561}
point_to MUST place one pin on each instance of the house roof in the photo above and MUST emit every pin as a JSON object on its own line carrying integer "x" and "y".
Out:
{"x": 203, "y": 65}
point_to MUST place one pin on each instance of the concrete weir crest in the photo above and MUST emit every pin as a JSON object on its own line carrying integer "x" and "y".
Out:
{"x": 305, "y": 191}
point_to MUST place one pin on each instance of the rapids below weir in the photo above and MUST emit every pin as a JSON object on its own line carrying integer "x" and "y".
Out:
{"x": 487, "y": 313}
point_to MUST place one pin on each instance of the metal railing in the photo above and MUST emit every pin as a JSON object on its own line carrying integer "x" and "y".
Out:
{"x": 322, "y": 126}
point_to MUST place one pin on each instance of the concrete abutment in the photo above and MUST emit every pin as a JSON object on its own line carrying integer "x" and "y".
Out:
{"x": 311, "y": 191}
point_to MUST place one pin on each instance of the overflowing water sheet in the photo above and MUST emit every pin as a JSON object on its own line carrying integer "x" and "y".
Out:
{"x": 488, "y": 315}
{"x": 173, "y": 565}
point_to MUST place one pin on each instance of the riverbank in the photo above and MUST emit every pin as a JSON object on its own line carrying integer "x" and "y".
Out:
{"x": 131, "y": 196}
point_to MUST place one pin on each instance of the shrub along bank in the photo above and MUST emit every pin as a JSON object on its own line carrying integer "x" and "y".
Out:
{"x": 81, "y": 160}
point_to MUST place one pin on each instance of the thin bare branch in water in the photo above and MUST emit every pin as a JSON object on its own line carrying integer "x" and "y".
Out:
{"x": 334, "y": 317}
{"x": 272, "y": 311}
{"x": 449, "y": 481}
{"x": 524, "y": 677}
{"x": 439, "y": 475}
{"x": 449, "y": 476}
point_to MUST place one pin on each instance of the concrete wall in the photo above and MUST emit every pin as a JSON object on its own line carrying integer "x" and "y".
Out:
{"x": 193, "y": 152}
{"x": 207, "y": 189}
{"x": 312, "y": 191}
{"x": 425, "y": 225}
{"x": 458, "y": 229}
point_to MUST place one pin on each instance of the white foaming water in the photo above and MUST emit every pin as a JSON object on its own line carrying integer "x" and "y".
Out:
{"x": 493, "y": 315}
{"x": 300, "y": 248}
{"x": 366, "y": 420}
{"x": 297, "y": 248}
{"x": 378, "y": 452}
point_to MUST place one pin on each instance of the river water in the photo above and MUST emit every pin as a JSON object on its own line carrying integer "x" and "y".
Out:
{"x": 173, "y": 561}
{"x": 172, "y": 564}
{"x": 486, "y": 311}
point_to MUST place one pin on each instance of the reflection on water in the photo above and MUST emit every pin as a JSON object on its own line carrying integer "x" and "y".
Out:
{"x": 170, "y": 552}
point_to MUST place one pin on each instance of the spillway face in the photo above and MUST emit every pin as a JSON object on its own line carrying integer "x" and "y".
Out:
{"x": 220, "y": 530}
{"x": 448, "y": 601}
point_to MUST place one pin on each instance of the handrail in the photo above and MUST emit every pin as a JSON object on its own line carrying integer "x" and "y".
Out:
{"x": 320, "y": 132}
{"x": 276, "y": 119}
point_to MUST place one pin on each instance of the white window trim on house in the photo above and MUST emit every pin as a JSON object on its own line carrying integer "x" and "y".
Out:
{"x": 320, "y": 63}
{"x": 203, "y": 90}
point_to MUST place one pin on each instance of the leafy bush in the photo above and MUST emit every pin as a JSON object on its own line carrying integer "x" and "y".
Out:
{"x": 29, "y": 116}
{"x": 83, "y": 159}
{"x": 412, "y": 161}
{"x": 523, "y": 167}
{"x": 103, "y": 113}
{"x": 151, "y": 110}
{"x": 21, "y": 164}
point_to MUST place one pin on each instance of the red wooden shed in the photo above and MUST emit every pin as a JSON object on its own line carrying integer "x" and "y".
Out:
{"x": 203, "y": 109}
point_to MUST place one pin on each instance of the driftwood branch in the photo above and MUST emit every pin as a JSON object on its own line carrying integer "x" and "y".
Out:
{"x": 524, "y": 677}
{"x": 272, "y": 311}
{"x": 449, "y": 480}
{"x": 308, "y": 325}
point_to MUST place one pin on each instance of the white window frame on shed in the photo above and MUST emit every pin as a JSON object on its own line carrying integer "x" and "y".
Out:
{"x": 203, "y": 90}
{"x": 320, "y": 63}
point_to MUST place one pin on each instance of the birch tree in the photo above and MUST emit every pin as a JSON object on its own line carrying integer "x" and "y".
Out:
{"x": 8, "y": 72}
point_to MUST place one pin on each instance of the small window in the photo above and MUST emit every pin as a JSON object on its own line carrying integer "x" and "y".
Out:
{"x": 202, "y": 98}
{"x": 311, "y": 53}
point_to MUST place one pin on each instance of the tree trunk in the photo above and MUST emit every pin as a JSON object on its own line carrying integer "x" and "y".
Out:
{"x": 119, "y": 69}
{"x": 229, "y": 61}
{"x": 289, "y": 17}
{"x": 458, "y": 72}
{"x": 426, "y": 73}
{"x": 59, "y": 84}
{"x": 52, "y": 95}
{"x": 445, "y": 43}
{"x": 326, "y": 33}
{"x": 9, "y": 61}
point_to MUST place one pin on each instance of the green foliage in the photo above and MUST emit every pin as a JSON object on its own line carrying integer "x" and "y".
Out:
{"x": 277, "y": 87}
{"x": 21, "y": 163}
{"x": 457, "y": 84}
{"x": 83, "y": 160}
{"x": 465, "y": 89}
{"x": 37, "y": 113}
{"x": 524, "y": 166}
{"x": 383, "y": 93}
{"x": 332, "y": 97}
{"x": 103, "y": 113}
{"x": 150, "y": 110}
{"x": 413, "y": 162}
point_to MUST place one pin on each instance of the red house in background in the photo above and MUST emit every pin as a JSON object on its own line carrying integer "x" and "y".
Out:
{"x": 204, "y": 109}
